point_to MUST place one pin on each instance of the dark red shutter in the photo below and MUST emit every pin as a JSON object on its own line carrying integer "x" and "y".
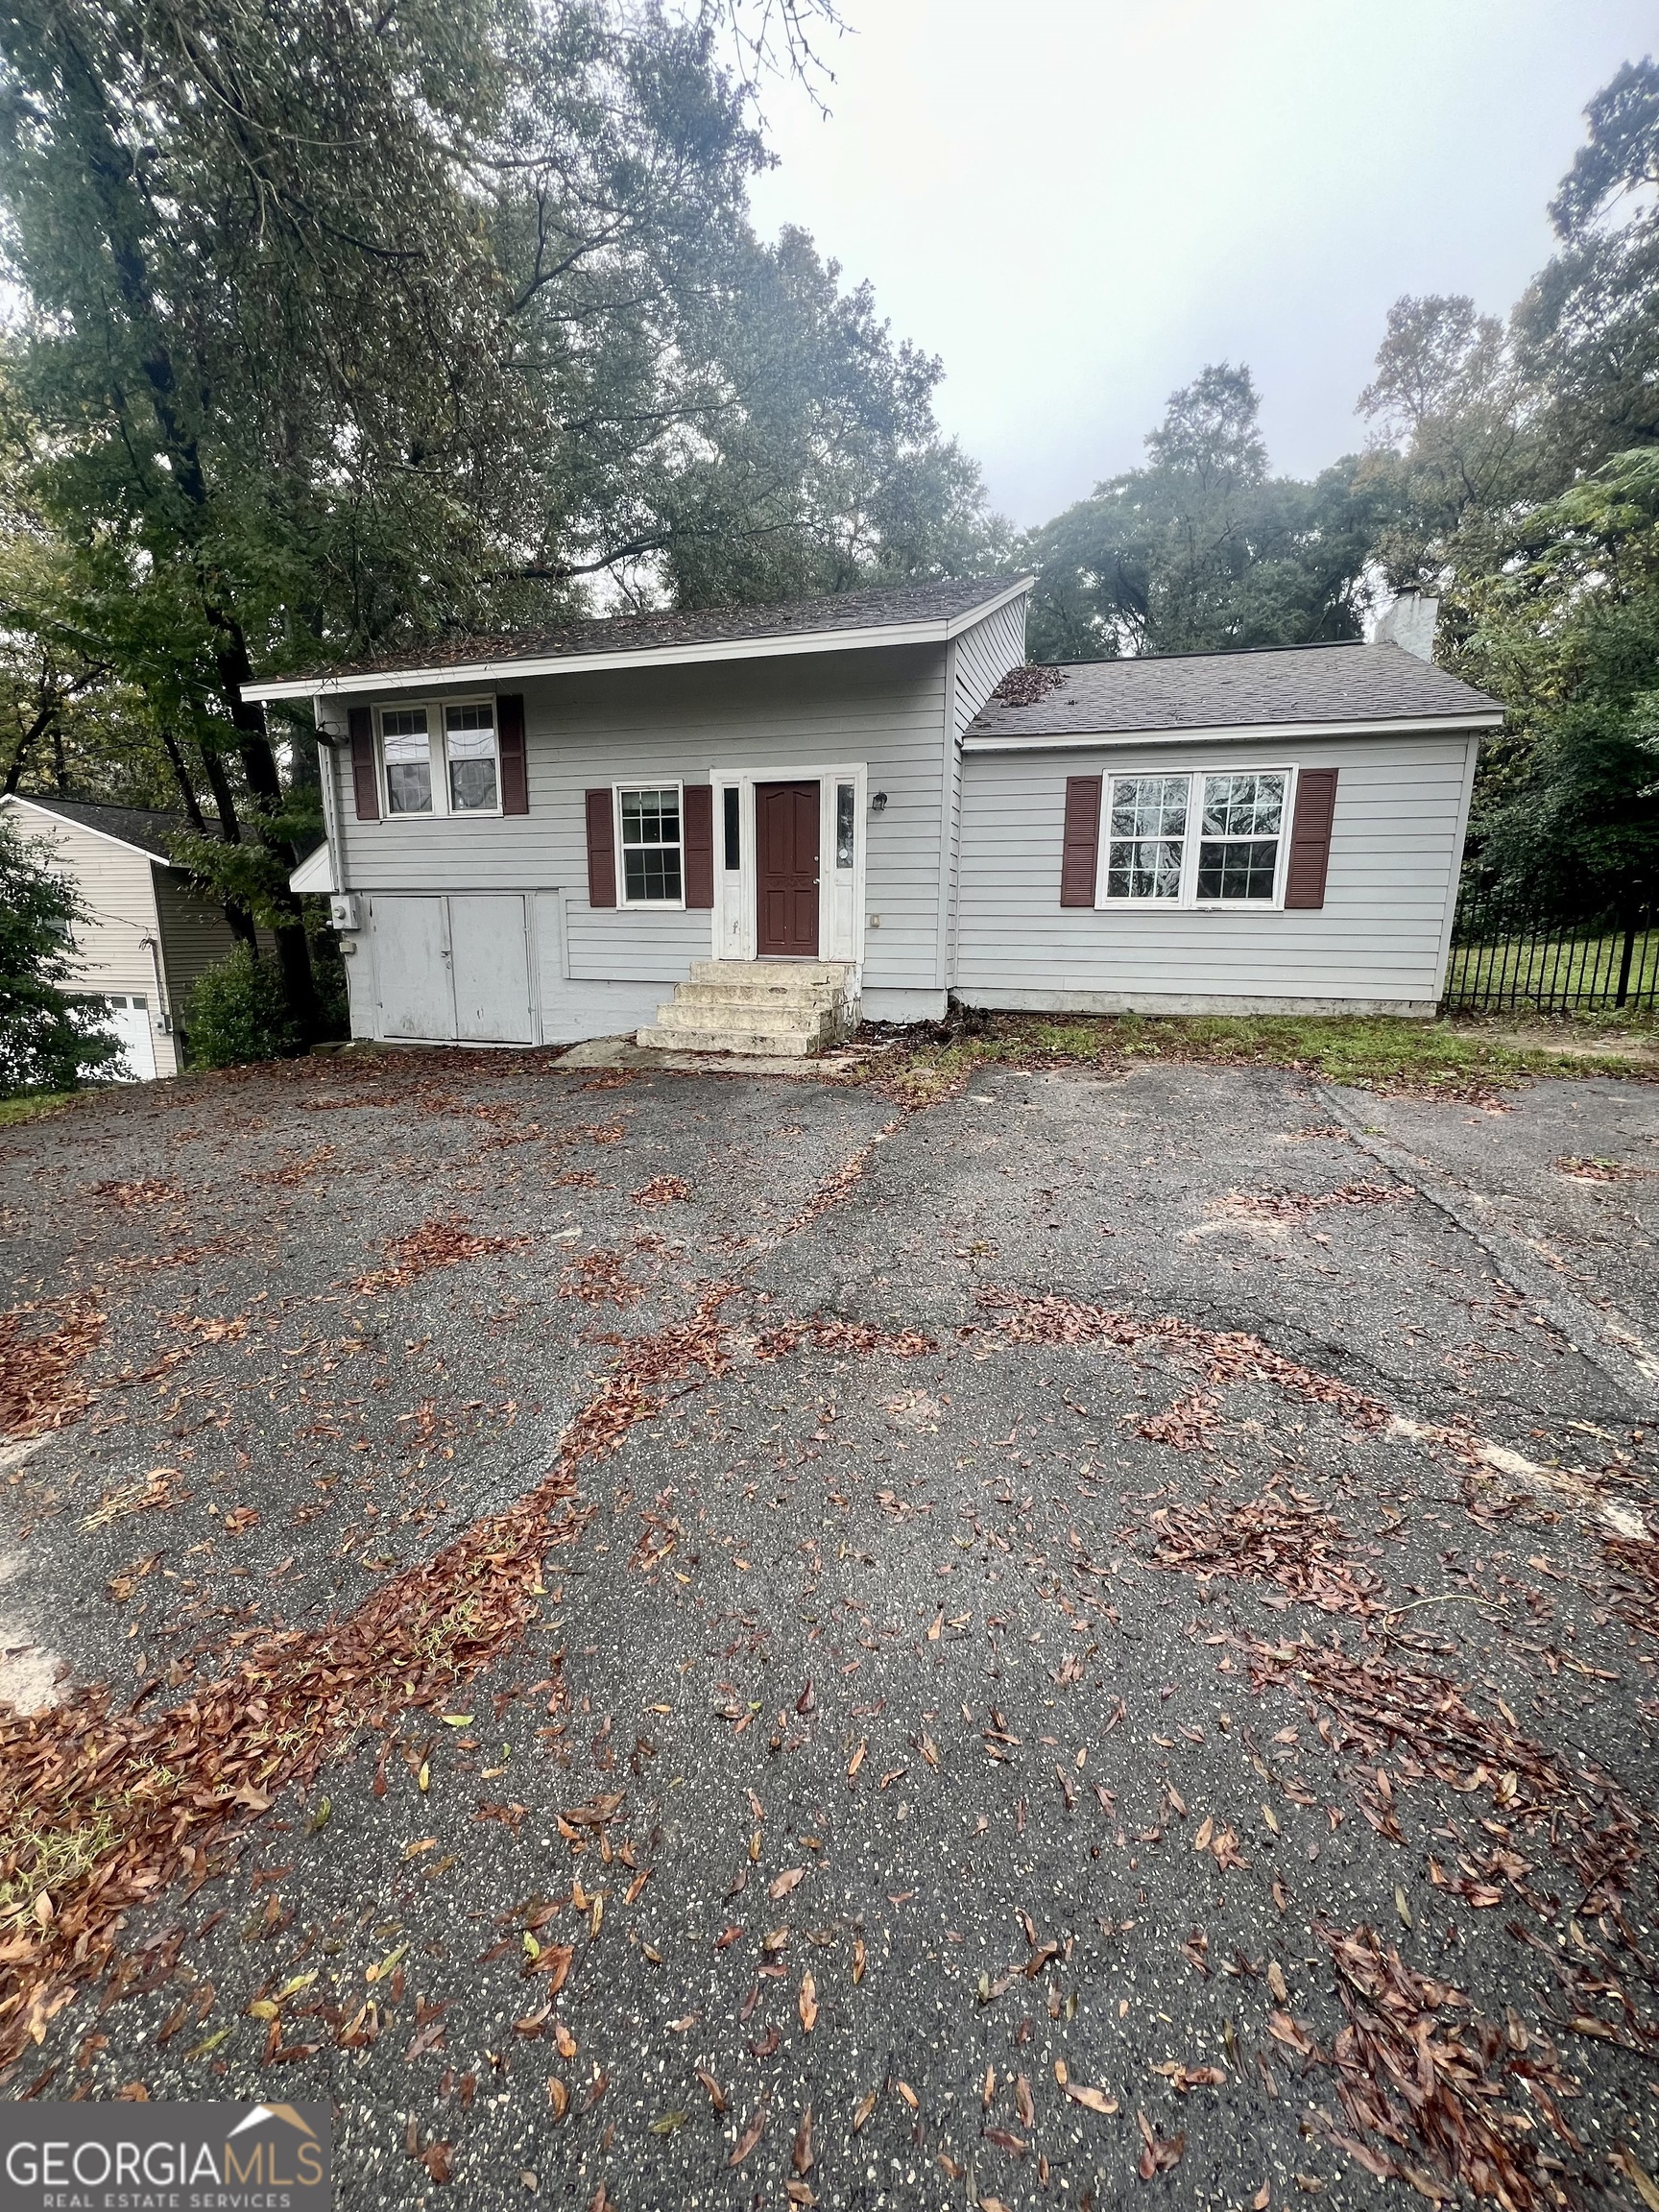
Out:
{"x": 1311, "y": 837}
{"x": 514, "y": 769}
{"x": 601, "y": 850}
{"x": 698, "y": 815}
{"x": 1081, "y": 851}
{"x": 364, "y": 779}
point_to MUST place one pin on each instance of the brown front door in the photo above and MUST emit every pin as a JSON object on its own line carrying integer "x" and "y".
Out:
{"x": 786, "y": 867}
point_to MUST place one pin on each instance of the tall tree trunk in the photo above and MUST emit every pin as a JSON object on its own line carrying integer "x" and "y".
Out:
{"x": 237, "y": 916}
{"x": 241, "y": 922}
{"x": 193, "y": 813}
{"x": 109, "y": 166}
{"x": 259, "y": 766}
{"x": 26, "y": 745}
{"x": 224, "y": 803}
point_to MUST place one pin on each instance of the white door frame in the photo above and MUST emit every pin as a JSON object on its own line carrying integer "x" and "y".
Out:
{"x": 840, "y": 901}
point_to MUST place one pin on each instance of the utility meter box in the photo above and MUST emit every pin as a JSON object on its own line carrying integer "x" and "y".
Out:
{"x": 343, "y": 911}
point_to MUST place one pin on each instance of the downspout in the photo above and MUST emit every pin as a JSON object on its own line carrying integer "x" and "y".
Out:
{"x": 163, "y": 1004}
{"x": 950, "y": 796}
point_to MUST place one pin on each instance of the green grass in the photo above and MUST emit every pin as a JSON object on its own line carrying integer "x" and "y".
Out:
{"x": 32, "y": 1103}
{"x": 1537, "y": 975}
{"x": 1462, "y": 1060}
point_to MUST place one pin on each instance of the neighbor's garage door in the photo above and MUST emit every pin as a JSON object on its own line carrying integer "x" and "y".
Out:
{"x": 455, "y": 966}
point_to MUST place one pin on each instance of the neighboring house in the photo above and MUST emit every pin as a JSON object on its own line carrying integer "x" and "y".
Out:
{"x": 149, "y": 933}
{"x": 782, "y": 814}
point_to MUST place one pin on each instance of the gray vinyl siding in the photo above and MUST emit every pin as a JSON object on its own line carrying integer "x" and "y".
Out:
{"x": 979, "y": 660}
{"x": 1395, "y": 849}
{"x": 984, "y": 655}
{"x": 885, "y": 705}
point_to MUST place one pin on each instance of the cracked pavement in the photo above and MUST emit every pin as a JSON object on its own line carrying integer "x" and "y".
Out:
{"x": 1096, "y": 1616}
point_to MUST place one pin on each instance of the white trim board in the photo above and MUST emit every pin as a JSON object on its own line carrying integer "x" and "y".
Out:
{"x": 68, "y": 822}
{"x": 735, "y": 925}
{"x": 1250, "y": 732}
{"x": 511, "y": 668}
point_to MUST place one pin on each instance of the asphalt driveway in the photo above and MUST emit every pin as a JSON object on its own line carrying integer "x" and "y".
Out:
{"x": 691, "y": 1639}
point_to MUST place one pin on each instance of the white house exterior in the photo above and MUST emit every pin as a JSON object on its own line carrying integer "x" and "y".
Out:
{"x": 539, "y": 839}
{"x": 148, "y": 934}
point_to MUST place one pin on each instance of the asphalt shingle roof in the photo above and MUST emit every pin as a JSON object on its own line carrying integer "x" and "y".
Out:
{"x": 941, "y": 601}
{"x": 1222, "y": 690}
{"x": 151, "y": 830}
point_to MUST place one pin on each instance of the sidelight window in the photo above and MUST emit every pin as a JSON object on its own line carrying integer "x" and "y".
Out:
{"x": 846, "y": 795}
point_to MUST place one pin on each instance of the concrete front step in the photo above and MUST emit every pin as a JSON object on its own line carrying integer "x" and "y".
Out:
{"x": 782, "y": 972}
{"x": 767, "y": 1008}
{"x": 763, "y": 1044}
{"x": 777, "y": 1020}
{"x": 808, "y": 997}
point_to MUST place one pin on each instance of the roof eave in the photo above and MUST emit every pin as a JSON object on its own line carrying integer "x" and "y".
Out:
{"x": 515, "y": 668}
{"x": 71, "y": 822}
{"x": 1369, "y": 726}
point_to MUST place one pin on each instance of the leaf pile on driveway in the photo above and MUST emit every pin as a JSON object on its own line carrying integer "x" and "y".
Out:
{"x": 434, "y": 1245}
{"x": 1279, "y": 1537}
{"x": 1440, "y": 2105}
{"x": 98, "y": 1808}
{"x": 41, "y": 1348}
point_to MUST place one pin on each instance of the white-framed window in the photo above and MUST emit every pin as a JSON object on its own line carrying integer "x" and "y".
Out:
{"x": 472, "y": 757}
{"x": 650, "y": 845}
{"x": 1204, "y": 837}
{"x": 407, "y": 743}
{"x": 440, "y": 757}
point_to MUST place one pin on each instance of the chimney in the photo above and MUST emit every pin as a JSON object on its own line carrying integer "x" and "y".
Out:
{"x": 1409, "y": 622}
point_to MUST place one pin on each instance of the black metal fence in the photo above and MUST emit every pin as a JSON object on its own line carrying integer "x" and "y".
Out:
{"x": 1506, "y": 958}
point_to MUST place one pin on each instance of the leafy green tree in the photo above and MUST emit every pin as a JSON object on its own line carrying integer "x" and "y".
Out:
{"x": 48, "y": 1040}
{"x": 1586, "y": 332}
{"x": 347, "y": 329}
{"x": 1454, "y": 447}
{"x": 1202, "y": 549}
{"x": 1567, "y": 633}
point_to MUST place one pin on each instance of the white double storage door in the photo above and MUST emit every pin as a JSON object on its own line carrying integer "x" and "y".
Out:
{"x": 452, "y": 967}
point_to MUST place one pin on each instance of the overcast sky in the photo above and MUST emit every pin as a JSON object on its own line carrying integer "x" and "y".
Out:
{"x": 1078, "y": 203}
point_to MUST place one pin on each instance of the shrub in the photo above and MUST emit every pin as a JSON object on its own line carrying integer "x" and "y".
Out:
{"x": 237, "y": 1013}
{"x": 48, "y": 1040}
